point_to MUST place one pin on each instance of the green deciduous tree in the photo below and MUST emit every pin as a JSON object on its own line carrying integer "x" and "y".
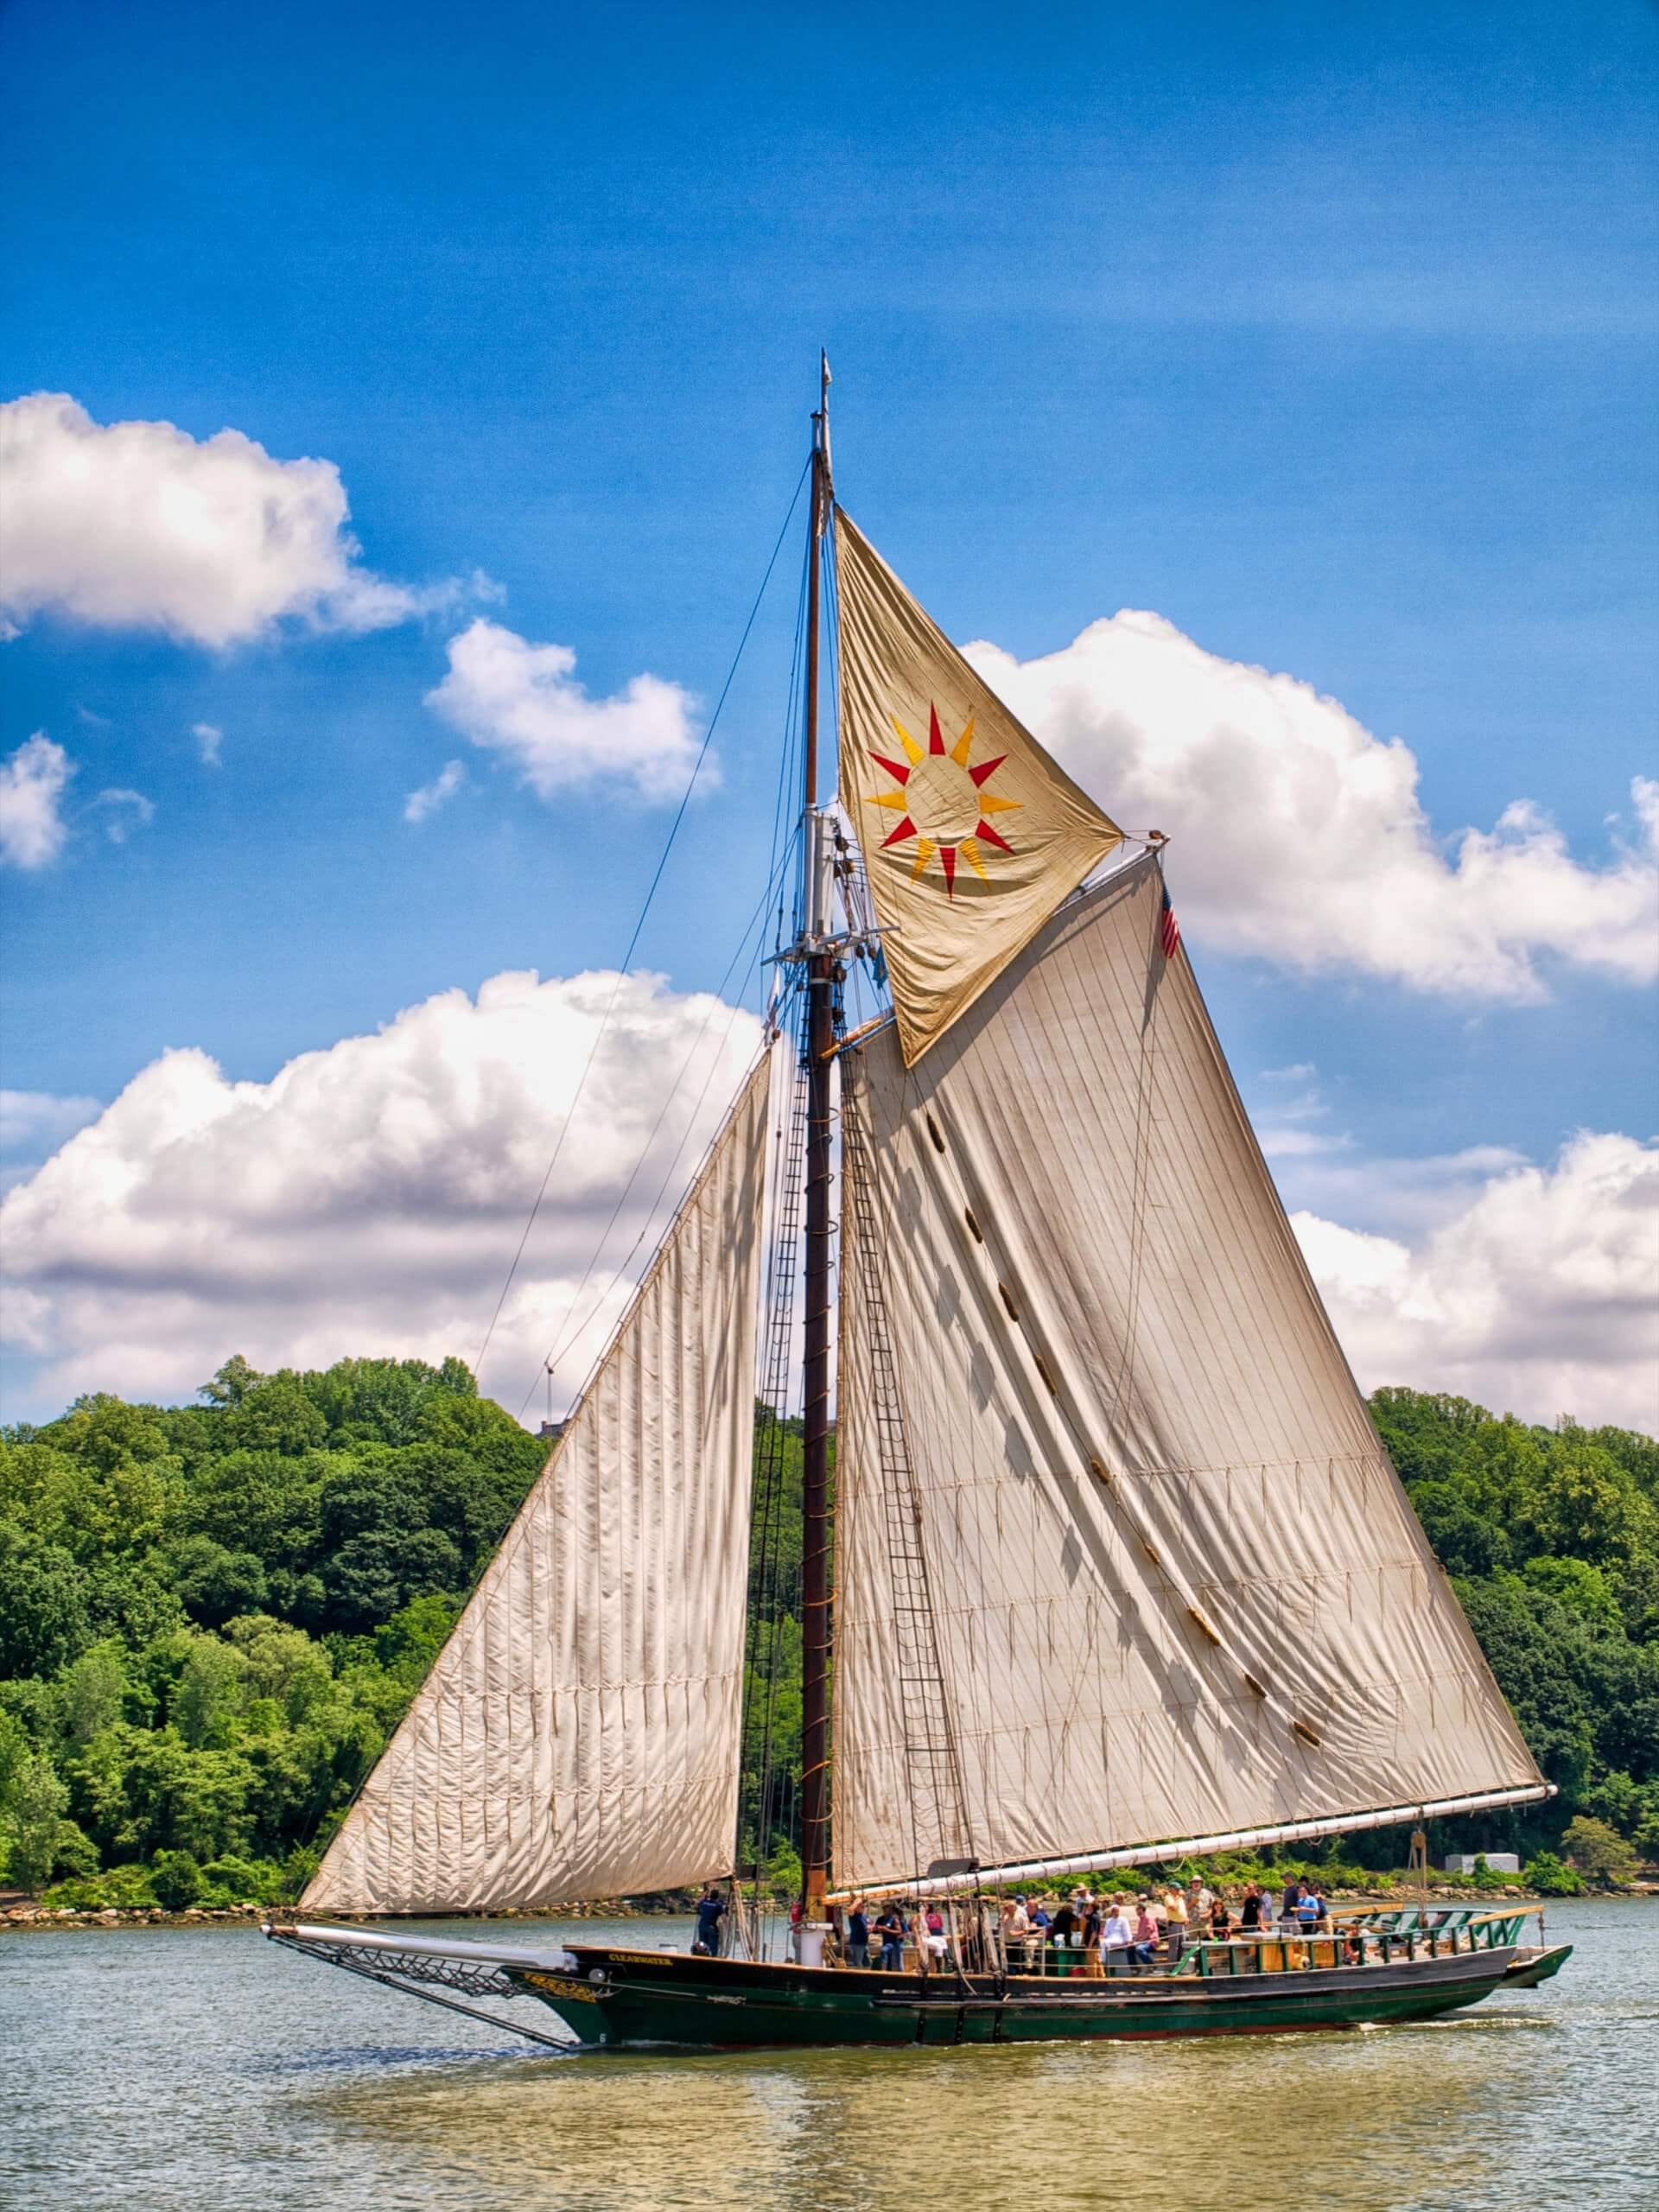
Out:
{"x": 1599, "y": 1853}
{"x": 213, "y": 1617}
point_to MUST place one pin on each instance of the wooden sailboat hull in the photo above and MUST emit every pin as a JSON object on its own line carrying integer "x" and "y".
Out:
{"x": 621, "y": 1998}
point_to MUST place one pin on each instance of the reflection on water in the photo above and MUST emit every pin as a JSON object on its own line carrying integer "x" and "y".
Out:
{"x": 158, "y": 2069}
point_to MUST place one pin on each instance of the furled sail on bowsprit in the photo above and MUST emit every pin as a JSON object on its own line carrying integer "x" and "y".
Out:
{"x": 577, "y": 1736}
{"x": 971, "y": 835}
{"x": 1172, "y": 1584}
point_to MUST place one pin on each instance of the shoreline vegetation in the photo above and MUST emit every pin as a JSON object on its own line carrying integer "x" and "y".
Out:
{"x": 213, "y": 1617}
{"x": 36, "y": 1916}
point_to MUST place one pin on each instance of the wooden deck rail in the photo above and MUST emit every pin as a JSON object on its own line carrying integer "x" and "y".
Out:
{"x": 1287, "y": 1953}
{"x": 1388, "y": 1934}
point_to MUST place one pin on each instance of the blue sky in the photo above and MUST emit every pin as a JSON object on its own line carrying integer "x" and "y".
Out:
{"x": 1327, "y": 335}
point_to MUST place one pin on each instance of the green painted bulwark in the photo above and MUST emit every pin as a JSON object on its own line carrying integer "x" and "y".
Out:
{"x": 619, "y": 1999}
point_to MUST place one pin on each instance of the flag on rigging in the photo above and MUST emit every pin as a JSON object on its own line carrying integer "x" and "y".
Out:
{"x": 1169, "y": 929}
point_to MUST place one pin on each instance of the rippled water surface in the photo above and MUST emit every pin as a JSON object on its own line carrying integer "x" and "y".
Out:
{"x": 161, "y": 2069}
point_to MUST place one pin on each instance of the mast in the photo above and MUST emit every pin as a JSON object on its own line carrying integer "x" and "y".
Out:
{"x": 820, "y": 1042}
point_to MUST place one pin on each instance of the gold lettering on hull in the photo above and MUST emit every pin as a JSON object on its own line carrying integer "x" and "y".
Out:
{"x": 563, "y": 1985}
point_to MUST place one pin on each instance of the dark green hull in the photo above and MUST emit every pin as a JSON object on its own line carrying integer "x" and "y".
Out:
{"x": 621, "y": 1998}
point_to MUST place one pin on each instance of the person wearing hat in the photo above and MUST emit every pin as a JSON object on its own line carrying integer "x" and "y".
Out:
{"x": 1175, "y": 1921}
{"x": 858, "y": 1934}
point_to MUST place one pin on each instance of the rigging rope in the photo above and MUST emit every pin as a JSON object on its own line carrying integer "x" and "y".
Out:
{"x": 573, "y": 1326}
{"x": 651, "y": 894}
{"x": 780, "y": 854}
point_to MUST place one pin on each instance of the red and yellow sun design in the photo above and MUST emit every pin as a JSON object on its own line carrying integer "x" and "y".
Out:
{"x": 944, "y": 806}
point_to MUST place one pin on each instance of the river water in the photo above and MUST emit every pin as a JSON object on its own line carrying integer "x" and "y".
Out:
{"x": 205, "y": 2070}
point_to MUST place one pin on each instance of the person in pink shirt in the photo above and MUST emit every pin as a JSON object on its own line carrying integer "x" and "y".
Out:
{"x": 1146, "y": 1933}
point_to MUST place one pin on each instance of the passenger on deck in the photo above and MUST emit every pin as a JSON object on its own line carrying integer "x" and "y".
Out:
{"x": 890, "y": 1927}
{"x": 1094, "y": 1919}
{"x": 1146, "y": 1934}
{"x": 1198, "y": 1901}
{"x": 710, "y": 1912}
{"x": 858, "y": 1934}
{"x": 1353, "y": 1946}
{"x": 1310, "y": 1909}
{"x": 1116, "y": 1937}
{"x": 1016, "y": 1932}
{"x": 1221, "y": 1920}
{"x": 1174, "y": 1922}
{"x": 934, "y": 1937}
{"x": 1289, "y": 1902}
{"x": 1064, "y": 1930}
{"x": 1250, "y": 1918}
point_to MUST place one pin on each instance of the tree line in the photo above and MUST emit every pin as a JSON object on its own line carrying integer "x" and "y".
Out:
{"x": 211, "y": 1616}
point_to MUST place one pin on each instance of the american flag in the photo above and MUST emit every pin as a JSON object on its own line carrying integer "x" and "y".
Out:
{"x": 1169, "y": 933}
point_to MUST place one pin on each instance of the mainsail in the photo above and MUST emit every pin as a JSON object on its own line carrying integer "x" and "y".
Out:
{"x": 1172, "y": 1584}
{"x": 577, "y": 1736}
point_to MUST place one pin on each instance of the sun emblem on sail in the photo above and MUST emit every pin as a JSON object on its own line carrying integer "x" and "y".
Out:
{"x": 942, "y": 800}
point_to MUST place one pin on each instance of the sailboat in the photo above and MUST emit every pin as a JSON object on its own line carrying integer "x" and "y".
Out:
{"x": 1121, "y": 1573}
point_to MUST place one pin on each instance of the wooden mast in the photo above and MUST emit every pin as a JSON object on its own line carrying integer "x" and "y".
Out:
{"x": 820, "y": 1042}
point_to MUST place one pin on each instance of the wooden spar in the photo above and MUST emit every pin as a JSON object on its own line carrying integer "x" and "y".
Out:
{"x": 1198, "y": 1847}
{"x": 815, "y": 1403}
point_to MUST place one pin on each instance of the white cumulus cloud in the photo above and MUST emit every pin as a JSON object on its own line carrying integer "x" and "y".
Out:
{"x": 1539, "y": 1295}
{"x": 523, "y": 701}
{"x": 1299, "y": 836}
{"x": 124, "y": 812}
{"x": 431, "y": 797}
{"x": 369, "y": 1198}
{"x": 138, "y": 525}
{"x": 32, "y": 784}
{"x": 209, "y": 737}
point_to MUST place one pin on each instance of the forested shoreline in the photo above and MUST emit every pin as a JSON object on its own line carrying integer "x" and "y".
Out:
{"x": 213, "y": 1616}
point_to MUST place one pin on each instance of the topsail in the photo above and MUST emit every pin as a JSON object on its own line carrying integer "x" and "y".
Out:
{"x": 577, "y": 1736}
{"x": 971, "y": 835}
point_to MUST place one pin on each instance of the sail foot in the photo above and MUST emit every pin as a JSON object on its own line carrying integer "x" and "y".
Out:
{"x": 1170, "y": 1850}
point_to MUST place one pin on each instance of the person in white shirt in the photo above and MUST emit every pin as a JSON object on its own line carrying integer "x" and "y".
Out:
{"x": 1116, "y": 1936}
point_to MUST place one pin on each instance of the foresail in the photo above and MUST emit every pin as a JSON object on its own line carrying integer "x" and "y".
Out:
{"x": 1176, "y": 1586}
{"x": 578, "y": 1735}
{"x": 971, "y": 835}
